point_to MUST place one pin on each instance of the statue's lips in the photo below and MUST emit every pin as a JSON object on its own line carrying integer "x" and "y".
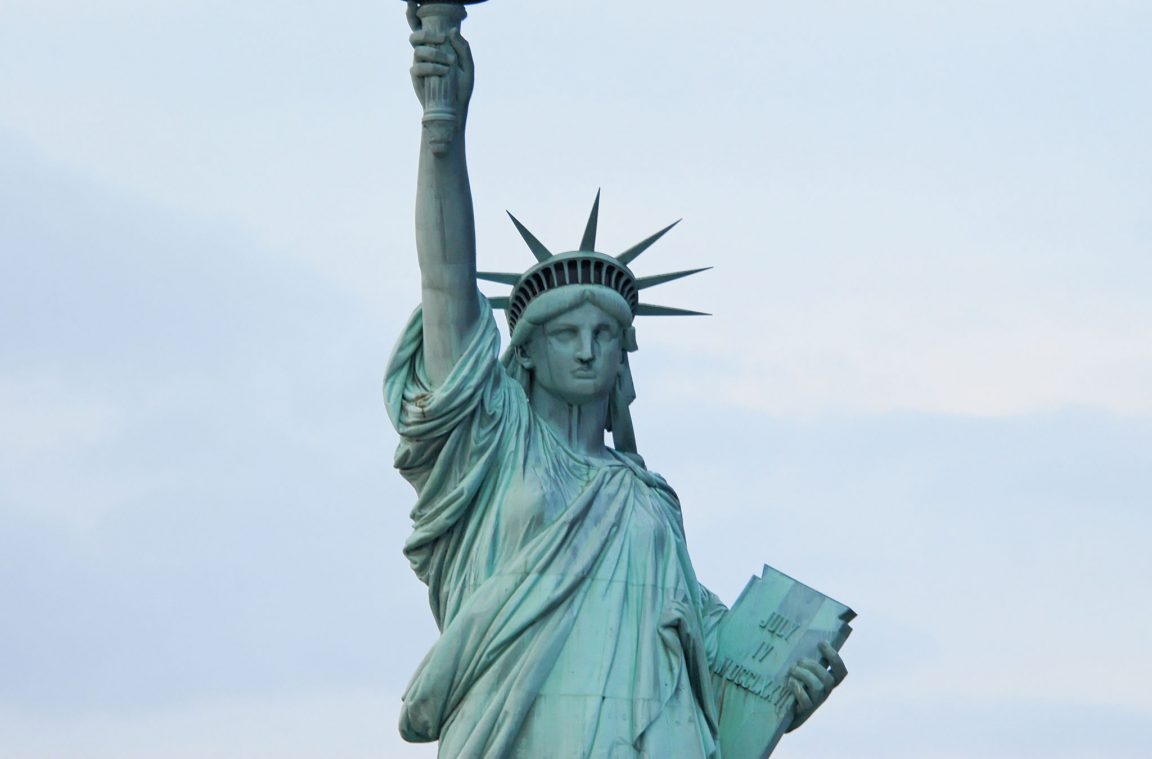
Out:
{"x": 584, "y": 374}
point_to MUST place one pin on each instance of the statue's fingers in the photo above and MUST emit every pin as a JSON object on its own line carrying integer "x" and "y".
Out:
{"x": 462, "y": 48}
{"x": 823, "y": 674}
{"x": 810, "y": 681}
{"x": 449, "y": 54}
{"x": 413, "y": 19}
{"x": 420, "y": 70}
{"x": 803, "y": 700}
{"x": 429, "y": 54}
{"x": 425, "y": 37}
{"x": 834, "y": 662}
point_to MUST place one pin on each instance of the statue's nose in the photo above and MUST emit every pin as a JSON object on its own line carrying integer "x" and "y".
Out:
{"x": 584, "y": 352}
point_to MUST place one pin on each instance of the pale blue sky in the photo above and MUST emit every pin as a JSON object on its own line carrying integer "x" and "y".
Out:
{"x": 925, "y": 389}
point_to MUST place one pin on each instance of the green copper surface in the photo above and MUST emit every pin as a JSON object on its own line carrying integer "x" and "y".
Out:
{"x": 572, "y": 623}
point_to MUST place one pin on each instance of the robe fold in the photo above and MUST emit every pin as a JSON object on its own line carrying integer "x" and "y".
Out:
{"x": 571, "y": 620}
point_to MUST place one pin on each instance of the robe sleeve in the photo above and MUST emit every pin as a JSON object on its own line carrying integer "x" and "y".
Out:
{"x": 712, "y": 612}
{"x": 450, "y": 434}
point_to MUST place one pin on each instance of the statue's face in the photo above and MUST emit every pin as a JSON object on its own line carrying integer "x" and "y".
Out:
{"x": 576, "y": 355}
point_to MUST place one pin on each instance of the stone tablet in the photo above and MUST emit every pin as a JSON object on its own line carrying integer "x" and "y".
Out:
{"x": 774, "y": 623}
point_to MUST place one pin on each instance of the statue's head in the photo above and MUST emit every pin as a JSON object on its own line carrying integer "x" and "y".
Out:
{"x": 570, "y": 317}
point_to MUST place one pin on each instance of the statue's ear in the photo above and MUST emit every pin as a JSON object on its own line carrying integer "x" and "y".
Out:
{"x": 523, "y": 357}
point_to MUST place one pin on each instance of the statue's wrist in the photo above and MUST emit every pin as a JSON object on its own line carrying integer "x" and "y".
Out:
{"x": 446, "y": 150}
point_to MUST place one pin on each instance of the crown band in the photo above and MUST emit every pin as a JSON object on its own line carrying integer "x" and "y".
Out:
{"x": 575, "y": 268}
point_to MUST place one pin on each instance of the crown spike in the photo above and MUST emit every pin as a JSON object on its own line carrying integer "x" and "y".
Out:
{"x": 647, "y": 309}
{"x": 537, "y": 247}
{"x": 659, "y": 279}
{"x": 634, "y": 252}
{"x": 498, "y": 276}
{"x": 588, "y": 242}
{"x": 499, "y": 302}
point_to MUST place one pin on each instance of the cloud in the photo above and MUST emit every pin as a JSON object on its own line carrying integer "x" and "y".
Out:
{"x": 896, "y": 222}
{"x": 347, "y": 723}
{"x": 195, "y": 456}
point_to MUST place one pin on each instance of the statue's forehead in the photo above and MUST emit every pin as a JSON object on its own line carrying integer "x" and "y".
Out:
{"x": 587, "y": 312}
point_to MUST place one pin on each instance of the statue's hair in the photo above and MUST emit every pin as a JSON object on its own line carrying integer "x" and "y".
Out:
{"x": 549, "y": 305}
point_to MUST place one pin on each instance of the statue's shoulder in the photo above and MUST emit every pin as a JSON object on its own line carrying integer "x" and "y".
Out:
{"x": 635, "y": 462}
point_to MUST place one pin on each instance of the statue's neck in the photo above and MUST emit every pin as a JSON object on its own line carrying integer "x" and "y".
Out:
{"x": 581, "y": 426}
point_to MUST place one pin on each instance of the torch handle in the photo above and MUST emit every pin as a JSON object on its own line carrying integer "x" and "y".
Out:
{"x": 440, "y": 115}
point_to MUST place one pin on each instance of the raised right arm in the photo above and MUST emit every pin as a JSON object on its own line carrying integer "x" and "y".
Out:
{"x": 445, "y": 230}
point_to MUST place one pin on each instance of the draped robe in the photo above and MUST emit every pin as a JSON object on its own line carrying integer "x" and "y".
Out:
{"x": 571, "y": 620}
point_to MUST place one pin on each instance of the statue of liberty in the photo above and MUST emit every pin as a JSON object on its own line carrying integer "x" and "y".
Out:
{"x": 572, "y": 622}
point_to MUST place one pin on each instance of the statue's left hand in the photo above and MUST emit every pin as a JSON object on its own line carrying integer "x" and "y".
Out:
{"x": 812, "y": 681}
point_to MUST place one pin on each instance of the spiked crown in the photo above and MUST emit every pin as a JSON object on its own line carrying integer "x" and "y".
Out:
{"x": 583, "y": 267}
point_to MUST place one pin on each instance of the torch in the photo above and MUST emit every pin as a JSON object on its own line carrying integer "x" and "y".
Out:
{"x": 440, "y": 117}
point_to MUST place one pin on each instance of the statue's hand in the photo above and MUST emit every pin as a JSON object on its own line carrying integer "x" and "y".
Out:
{"x": 440, "y": 55}
{"x": 812, "y": 681}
